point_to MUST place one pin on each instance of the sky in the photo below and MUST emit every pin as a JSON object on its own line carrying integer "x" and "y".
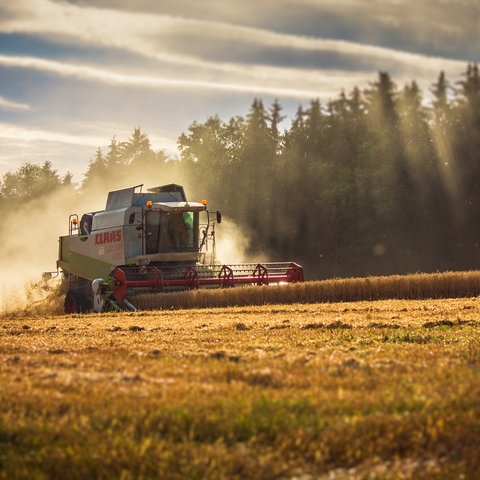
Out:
{"x": 76, "y": 73}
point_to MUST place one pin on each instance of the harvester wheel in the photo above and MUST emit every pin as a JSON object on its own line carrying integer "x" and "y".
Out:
{"x": 86, "y": 224}
{"x": 76, "y": 302}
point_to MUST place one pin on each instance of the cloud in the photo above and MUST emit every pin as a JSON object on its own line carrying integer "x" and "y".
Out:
{"x": 204, "y": 48}
{"x": 281, "y": 81}
{"x": 11, "y": 105}
{"x": 441, "y": 28}
{"x": 288, "y": 77}
{"x": 8, "y": 131}
{"x": 68, "y": 152}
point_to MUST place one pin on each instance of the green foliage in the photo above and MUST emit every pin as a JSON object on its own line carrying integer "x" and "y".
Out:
{"x": 30, "y": 182}
{"x": 375, "y": 182}
{"x": 122, "y": 162}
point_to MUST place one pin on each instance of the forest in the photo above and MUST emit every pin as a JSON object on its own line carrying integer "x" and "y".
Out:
{"x": 379, "y": 181}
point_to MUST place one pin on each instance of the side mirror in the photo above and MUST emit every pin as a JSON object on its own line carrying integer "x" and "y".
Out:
{"x": 219, "y": 216}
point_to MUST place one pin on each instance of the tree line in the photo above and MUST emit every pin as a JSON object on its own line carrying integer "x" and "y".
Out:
{"x": 377, "y": 181}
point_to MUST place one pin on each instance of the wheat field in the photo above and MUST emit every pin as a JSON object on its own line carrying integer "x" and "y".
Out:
{"x": 333, "y": 390}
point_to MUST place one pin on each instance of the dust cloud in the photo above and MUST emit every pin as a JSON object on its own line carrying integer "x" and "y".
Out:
{"x": 231, "y": 243}
{"x": 29, "y": 246}
{"x": 29, "y": 238}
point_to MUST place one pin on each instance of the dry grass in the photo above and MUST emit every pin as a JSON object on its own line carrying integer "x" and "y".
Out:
{"x": 379, "y": 389}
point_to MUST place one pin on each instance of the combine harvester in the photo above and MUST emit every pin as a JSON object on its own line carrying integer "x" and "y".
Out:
{"x": 154, "y": 241}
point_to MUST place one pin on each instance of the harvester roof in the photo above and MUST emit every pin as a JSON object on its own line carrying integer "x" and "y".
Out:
{"x": 178, "y": 206}
{"x": 133, "y": 196}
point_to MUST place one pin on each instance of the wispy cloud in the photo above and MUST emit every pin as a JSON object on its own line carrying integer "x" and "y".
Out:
{"x": 212, "y": 46}
{"x": 84, "y": 72}
{"x": 11, "y": 105}
{"x": 11, "y": 132}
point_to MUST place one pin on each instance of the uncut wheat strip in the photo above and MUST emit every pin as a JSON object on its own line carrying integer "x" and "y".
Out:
{"x": 415, "y": 286}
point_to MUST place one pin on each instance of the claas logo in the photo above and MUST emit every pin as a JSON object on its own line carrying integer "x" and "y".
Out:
{"x": 108, "y": 237}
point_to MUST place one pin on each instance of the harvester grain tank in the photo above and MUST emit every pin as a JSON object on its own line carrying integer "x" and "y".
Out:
{"x": 153, "y": 241}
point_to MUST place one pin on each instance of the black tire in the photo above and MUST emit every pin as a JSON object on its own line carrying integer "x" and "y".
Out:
{"x": 76, "y": 301}
{"x": 86, "y": 223}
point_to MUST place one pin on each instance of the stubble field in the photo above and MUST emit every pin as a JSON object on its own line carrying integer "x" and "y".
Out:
{"x": 377, "y": 389}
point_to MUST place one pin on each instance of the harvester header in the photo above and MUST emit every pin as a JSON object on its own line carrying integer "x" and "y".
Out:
{"x": 155, "y": 241}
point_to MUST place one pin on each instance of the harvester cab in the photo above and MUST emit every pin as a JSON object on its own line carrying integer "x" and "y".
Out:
{"x": 154, "y": 241}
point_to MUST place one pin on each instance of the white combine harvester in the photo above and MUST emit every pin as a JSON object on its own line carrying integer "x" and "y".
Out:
{"x": 154, "y": 241}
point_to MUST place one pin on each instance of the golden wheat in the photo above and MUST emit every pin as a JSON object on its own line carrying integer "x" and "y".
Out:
{"x": 42, "y": 300}
{"x": 417, "y": 286}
